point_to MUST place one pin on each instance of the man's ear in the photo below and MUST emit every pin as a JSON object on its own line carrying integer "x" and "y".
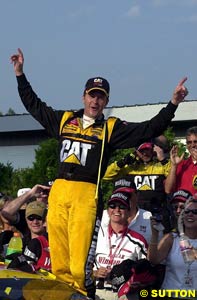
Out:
{"x": 107, "y": 102}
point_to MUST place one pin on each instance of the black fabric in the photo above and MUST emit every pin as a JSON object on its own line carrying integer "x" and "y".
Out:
{"x": 127, "y": 160}
{"x": 34, "y": 246}
{"x": 144, "y": 276}
{"x": 140, "y": 271}
{"x": 91, "y": 291}
{"x": 5, "y": 237}
{"x": 124, "y": 181}
{"x": 26, "y": 239}
{"x": 18, "y": 261}
{"x": 21, "y": 224}
{"x": 122, "y": 272}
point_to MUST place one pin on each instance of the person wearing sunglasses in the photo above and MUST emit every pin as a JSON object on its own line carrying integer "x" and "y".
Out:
{"x": 36, "y": 254}
{"x": 116, "y": 242}
{"x": 183, "y": 172}
{"x": 139, "y": 219}
{"x": 179, "y": 275}
{"x": 14, "y": 211}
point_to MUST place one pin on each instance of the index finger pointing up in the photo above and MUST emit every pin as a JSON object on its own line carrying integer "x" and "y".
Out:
{"x": 182, "y": 81}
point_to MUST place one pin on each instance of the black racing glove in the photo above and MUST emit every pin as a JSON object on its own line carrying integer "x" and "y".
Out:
{"x": 129, "y": 159}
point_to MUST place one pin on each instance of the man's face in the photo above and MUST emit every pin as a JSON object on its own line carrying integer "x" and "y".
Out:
{"x": 146, "y": 154}
{"x": 35, "y": 224}
{"x": 191, "y": 141}
{"x": 94, "y": 103}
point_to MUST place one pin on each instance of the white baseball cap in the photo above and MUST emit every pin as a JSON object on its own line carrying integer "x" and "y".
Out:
{"x": 22, "y": 191}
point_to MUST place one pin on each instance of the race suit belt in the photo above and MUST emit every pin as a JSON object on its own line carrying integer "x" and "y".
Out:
{"x": 76, "y": 177}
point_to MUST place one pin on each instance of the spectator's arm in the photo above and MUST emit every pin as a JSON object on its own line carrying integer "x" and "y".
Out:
{"x": 112, "y": 171}
{"x": 159, "y": 152}
{"x": 170, "y": 182}
{"x": 119, "y": 168}
{"x": 10, "y": 210}
{"x": 157, "y": 252}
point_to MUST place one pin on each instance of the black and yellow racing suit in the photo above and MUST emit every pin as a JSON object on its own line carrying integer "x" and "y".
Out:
{"x": 73, "y": 209}
{"x": 149, "y": 181}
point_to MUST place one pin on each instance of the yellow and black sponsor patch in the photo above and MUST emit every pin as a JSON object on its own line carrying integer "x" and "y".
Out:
{"x": 97, "y": 132}
{"x": 195, "y": 182}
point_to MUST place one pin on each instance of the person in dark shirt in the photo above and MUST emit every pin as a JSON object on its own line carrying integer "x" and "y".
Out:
{"x": 14, "y": 211}
{"x": 36, "y": 253}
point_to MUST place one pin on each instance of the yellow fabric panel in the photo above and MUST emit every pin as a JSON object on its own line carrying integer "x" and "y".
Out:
{"x": 66, "y": 116}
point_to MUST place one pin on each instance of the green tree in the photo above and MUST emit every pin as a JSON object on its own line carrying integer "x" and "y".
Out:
{"x": 170, "y": 135}
{"x": 10, "y": 112}
{"x": 44, "y": 168}
{"x": 46, "y": 164}
{"x": 21, "y": 178}
{"x": 6, "y": 173}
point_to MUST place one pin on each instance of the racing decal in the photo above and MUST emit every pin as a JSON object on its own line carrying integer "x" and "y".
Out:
{"x": 97, "y": 132}
{"x": 123, "y": 182}
{"x": 70, "y": 127}
{"x": 74, "y": 152}
{"x": 74, "y": 122}
{"x": 195, "y": 182}
{"x": 7, "y": 290}
{"x": 47, "y": 261}
{"x": 143, "y": 228}
{"x": 147, "y": 182}
{"x": 103, "y": 259}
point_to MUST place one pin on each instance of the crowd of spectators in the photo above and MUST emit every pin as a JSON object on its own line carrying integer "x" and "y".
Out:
{"x": 129, "y": 235}
{"x": 141, "y": 231}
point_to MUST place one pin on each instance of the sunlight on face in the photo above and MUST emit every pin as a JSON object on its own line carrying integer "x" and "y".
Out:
{"x": 190, "y": 215}
{"x": 118, "y": 213}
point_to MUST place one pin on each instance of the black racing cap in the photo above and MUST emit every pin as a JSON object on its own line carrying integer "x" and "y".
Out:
{"x": 98, "y": 83}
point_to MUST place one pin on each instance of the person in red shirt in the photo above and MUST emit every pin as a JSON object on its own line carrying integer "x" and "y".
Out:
{"x": 183, "y": 172}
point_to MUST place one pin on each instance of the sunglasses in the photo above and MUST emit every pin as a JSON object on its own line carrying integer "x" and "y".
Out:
{"x": 190, "y": 142}
{"x": 34, "y": 217}
{"x": 120, "y": 206}
{"x": 193, "y": 211}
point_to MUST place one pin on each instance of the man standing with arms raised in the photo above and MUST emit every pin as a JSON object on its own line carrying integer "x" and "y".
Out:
{"x": 86, "y": 141}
